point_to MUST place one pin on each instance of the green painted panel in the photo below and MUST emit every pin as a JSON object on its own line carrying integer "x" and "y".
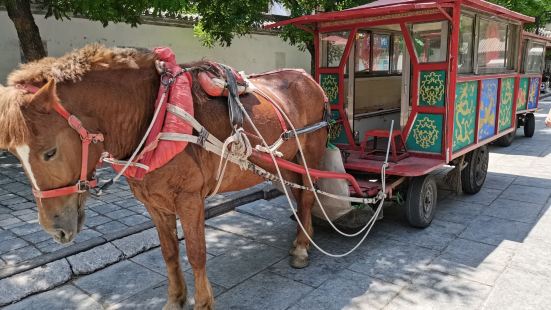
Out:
{"x": 522, "y": 94}
{"x": 337, "y": 133}
{"x": 432, "y": 88}
{"x": 506, "y": 104}
{"x": 466, "y": 95}
{"x": 330, "y": 84}
{"x": 426, "y": 134}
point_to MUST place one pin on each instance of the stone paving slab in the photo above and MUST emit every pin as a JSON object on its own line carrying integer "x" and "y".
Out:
{"x": 118, "y": 282}
{"x": 517, "y": 289}
{"x": 35, "y": 280}
{"x": 64, "y": 297}
{"x": 349, "y": 290}
{"x": 263, "y": 291}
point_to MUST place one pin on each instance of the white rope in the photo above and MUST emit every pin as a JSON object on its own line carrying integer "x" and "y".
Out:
{"x": 240, "y": 148}
{"x": 367, "y": 227}
{"x": 130, "y": 161}
{"x": 301, "y": 152}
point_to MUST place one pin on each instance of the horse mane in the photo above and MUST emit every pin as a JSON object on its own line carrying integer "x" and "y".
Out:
{"x": 74, "y": 65}
{"x": 71, "y": 67}
{"x": 13, "y": 127}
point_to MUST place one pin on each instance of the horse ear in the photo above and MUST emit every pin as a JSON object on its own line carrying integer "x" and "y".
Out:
{"x": 45, "y": 97}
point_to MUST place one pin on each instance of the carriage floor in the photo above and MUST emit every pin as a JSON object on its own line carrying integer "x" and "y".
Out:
{"x": 407, "y": 167}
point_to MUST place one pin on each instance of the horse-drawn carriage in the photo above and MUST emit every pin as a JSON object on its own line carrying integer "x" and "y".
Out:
{"x": 455, "y": 76}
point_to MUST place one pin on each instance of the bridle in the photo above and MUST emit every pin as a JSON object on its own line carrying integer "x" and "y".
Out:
{"x": 83, "y": 184}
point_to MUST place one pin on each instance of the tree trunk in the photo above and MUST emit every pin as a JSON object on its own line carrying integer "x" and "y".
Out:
{"x": 311, "y": 48}
{"x": 20, "y": 13}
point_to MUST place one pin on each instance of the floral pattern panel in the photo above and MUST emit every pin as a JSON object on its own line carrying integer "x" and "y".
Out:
{"x": 506, "y": 104}
{"x": 487, "y": 113}
{"x": 426, "y": 134}
{"x": 330, "y": 84}
{"x": 432, "y": 88}
{"x": 337, "y": 133}
{"x": 464, "y": 114}
{"x": 533, "y": 94}
{"x": 522, "y": 94}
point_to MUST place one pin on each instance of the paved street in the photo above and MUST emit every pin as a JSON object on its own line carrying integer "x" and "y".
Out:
{"x": 487, "y": 251}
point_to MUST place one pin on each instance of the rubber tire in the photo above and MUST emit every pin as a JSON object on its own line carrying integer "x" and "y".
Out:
{"x": 474, "y": 174}
{"x": 507, "y": 139}
{"x": 421, "y": 190}
{"x": 529, "y": 125}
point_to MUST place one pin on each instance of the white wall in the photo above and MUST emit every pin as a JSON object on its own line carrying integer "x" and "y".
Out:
{"x": 255, "y": 53}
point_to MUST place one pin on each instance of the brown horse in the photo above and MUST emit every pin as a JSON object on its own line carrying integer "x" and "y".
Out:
{"x": 112, "y": 91}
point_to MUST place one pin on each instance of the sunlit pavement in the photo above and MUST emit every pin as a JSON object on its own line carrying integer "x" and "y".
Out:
{"x": 487, "y": 251}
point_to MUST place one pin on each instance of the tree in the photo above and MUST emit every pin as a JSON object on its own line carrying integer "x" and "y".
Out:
{"x": 540, "y": 9}
{"x": 27, "y": 31}
{"x": 104, "y": 11}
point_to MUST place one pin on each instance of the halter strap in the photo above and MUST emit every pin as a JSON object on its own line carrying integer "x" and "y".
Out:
{"x": 83, "y": 184}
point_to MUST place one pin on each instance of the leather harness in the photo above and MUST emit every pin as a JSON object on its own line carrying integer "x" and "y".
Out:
{"x": 83, "y": 184}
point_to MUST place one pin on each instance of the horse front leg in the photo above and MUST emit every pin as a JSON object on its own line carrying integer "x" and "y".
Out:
{"x": 191, "y": 211}
{"x": 168, "y": 235}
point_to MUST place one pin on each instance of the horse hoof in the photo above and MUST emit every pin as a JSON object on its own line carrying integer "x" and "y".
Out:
{"x": 299, "y": 262}
{"x": 174, "y": 305}
{"x": 208, "y": 306}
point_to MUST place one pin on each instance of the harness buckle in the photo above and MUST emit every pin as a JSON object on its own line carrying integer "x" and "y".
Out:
{"x": 83, "y": 186}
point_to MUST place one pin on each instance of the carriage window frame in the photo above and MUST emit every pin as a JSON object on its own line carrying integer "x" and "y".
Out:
{"x": 512, "y": 47}
{"x": 443, "y": 45}
{"x": 324, "y": 47}
{"x": 372, "y": 33}
{"x": 472, "y": 46}
{"x": 528, "y": 44}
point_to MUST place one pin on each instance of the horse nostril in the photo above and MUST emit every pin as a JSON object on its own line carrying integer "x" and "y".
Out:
{"x": 61, "y": 234}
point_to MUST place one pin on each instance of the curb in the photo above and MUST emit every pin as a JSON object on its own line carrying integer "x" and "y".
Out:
{"x": 120, "y": 245}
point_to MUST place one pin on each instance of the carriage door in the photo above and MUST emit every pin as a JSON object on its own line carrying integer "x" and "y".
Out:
{"x": 333, "y": 49}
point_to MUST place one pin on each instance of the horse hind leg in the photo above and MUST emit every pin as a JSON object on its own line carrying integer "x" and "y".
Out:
{"x": 301, "y": 245}
{"x": 313, "y": 152}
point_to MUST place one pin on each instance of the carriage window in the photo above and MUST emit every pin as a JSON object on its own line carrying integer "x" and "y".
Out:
{"x": 513, "y": 34}
{"x": 466, "y": 35}
{"x": 381, "y": 52}
{"x": 332, "y": 47}
{"x": 492, "y": 40}
{"x": 431, "y": 41}
{"x": 534, "y": 57}
{"x": 397, "y": 54}
{"x": 363, "y": 51}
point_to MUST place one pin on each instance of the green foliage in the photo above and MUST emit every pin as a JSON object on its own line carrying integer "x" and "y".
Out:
{"x": 222, "y": 20}
{"x": 105, "y": 11}
{"x": 536, "y": 8}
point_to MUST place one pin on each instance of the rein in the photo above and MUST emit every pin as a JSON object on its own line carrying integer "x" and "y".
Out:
{"x": 83, "y": 184}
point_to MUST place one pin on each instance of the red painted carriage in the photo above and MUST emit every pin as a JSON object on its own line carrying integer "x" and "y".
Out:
{"x": 452, "y": 75}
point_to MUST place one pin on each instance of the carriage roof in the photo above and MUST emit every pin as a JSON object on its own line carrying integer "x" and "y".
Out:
{"x": 392, "y": 7}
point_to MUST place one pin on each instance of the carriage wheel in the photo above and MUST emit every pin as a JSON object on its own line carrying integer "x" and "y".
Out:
{"x": 474, "y": 174}
{"x": 529, "y": 125}
{"x": 421, "y": 199}
{"x": 507, "y": 139}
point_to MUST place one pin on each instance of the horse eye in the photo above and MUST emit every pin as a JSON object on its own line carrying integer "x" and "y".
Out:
{"x": 49, "y": 154}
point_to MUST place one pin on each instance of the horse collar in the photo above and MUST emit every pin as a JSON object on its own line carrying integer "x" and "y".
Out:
{"x": 83, "y": 184}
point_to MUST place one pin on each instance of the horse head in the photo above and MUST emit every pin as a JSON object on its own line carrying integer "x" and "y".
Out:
{"x": 50, "y": 152}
